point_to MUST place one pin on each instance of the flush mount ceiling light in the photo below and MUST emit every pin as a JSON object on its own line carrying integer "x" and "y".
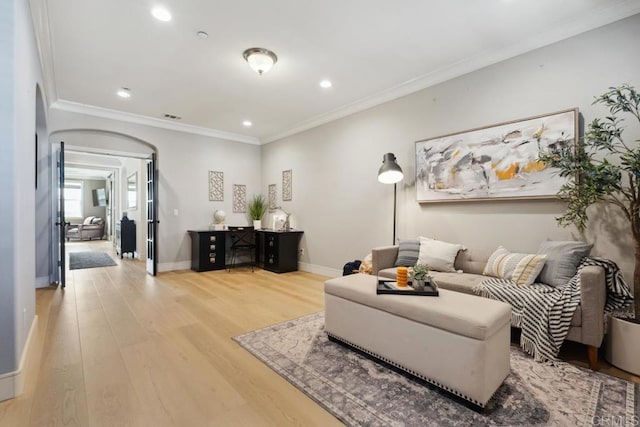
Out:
{"x": 124, "y": 92}
{"x": 161, "y": 14}
{"x": 260, "y": 60}
{"x": 326, "y": 84}
{"x": 247, "y": 123}
{"x": 202, "y": 34}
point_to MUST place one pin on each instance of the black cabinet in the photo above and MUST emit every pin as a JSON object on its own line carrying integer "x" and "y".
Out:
{"x": 278, "y": 250}
{"x": 125, "y": 237}
{"x": 207, "y": 250}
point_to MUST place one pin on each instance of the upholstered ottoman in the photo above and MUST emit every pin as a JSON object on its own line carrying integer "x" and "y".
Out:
{"x": 456, "y": 341}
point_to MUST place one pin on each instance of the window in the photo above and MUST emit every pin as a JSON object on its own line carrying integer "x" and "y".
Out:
{"x": 73, "y": 199}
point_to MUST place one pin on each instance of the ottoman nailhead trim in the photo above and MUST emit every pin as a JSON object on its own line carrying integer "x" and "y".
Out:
{"x": 410, "y": 371}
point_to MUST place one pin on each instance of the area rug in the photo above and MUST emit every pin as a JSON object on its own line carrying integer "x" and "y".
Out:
{"x": 78, "y": 260}
{"x": 361, "y": 391}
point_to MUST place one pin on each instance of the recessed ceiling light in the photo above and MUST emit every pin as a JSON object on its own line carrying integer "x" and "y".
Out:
{"x": 124, "y": 92}
{"x": 325, "y": 84}
{"x": 202, "y": 34}
{"x": 247, "y": 123}
{"x": 161, "y": 14}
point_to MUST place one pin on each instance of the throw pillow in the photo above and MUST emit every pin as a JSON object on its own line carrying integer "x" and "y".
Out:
{"x": 88, "y": 220}
{"x": 407, "y": 253}
{"x": 438, "y": 255}
{"x": 523, "y": 269}
{"x": 562, "y": 260}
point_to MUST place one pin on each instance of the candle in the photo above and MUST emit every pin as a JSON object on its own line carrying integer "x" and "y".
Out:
{"x": 401, "y": 274}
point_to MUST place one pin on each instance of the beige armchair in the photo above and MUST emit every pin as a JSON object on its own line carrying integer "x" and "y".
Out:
{"x": 92, "y": 227}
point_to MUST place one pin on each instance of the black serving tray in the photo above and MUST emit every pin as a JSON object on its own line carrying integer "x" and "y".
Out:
{"x": 385, "y": 287}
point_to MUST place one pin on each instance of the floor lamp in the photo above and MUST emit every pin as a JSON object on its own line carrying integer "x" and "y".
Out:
{"x": 391, "y": 173}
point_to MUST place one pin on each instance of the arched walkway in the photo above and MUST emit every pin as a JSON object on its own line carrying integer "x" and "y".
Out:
{"x": 135, "y": 154}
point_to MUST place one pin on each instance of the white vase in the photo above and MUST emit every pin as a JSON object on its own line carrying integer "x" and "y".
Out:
{"x": 623, "y": 345}
{"x": 257, "y": 224}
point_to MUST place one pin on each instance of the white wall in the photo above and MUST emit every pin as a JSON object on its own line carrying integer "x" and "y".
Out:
{"x": 43, "y": 199}
{"x": 344, "y": 211}
{"x": 19, "y": 75}
{"x": 88, "y": 185}
{"x": 183, "y": 163}
{"x": 27, "y": 67}
{"x": 7, "y": 193}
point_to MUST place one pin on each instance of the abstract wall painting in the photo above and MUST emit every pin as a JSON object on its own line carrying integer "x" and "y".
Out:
{"x": 239, "y": 198}
{"x": 495, "y": 162}
{"x": 216, "y": 186}
{"x": 287, "y": 178}
{"x": 272, "y": 196}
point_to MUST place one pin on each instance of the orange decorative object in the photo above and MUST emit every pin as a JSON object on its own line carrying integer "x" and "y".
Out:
{"x": 402, "y": 274}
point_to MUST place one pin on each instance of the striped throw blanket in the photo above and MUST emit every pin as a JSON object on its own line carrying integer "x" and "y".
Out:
{"x": 544, "y": 312}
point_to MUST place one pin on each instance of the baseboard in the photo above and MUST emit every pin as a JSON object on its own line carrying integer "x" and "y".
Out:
{"x": 12, "y": 383}
{"x": 303, "y": 266}
{"x": 7, "y": 388}
{"x": 42, "y": 282}
{"x": 318, "y": 269}
{"x": 171, "y": 266}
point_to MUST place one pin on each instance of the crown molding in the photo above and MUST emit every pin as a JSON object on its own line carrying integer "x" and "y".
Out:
{"x": 106, "y": 113}
{"x": 597, "y": 18}
{"x": 40, "y": 17}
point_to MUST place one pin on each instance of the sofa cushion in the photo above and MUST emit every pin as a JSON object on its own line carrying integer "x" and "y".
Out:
{"x": 562, "y": 260}
{"x": 438, "y": 255}
{"x": 388, "y": 273}
{"x": 459, "y": 282}
{"x": 472, "y": 260}
{"x": 523, "y": 269}
{"x": 408, "y": 251}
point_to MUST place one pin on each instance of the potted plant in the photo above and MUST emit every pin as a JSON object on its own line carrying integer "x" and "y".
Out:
{"x": 607, "y": 170}
{"x": 257, "y": 209}
{"x": 418, "y": 276}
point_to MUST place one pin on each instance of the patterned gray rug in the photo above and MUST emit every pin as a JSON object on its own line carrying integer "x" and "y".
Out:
{"x": 78, "y": 260}
{"x": 360, "y": 391}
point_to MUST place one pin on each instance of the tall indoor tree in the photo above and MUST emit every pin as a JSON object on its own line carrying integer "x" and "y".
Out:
{"x": 605, "y": 168}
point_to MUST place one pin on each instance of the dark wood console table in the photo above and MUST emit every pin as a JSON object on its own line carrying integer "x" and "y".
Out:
{"x": 276, "y": 251}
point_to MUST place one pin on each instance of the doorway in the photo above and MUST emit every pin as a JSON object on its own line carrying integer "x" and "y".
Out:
{"x": 108, "y": 184}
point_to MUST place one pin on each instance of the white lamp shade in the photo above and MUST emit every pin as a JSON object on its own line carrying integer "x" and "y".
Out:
{"x": 260, "y": 60}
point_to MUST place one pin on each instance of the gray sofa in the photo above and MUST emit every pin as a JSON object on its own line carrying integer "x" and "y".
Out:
{"x": 587, "y": 324}
{"x": 91, "y": 228}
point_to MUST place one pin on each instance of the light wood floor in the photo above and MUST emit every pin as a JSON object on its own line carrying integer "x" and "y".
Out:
{"x": 121, "y": 348}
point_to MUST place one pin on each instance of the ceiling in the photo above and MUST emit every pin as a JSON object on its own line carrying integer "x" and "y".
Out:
{"x": 371, "y": 50}
{"x": 83, "y": 165}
